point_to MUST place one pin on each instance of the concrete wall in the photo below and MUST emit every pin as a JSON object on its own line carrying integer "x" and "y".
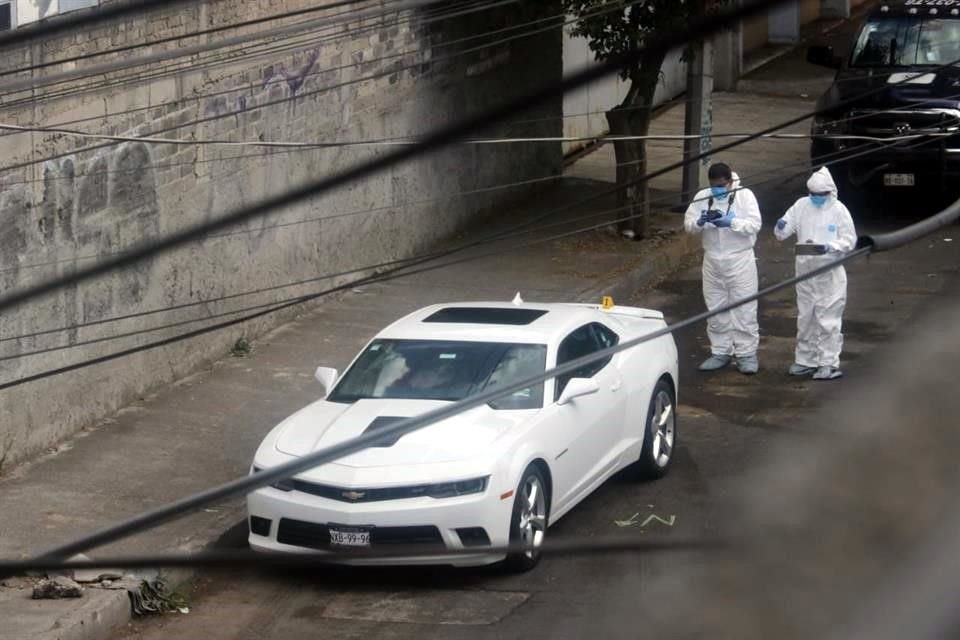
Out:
{"x": 584, "y": 110}
{"x": 63, "y": 200}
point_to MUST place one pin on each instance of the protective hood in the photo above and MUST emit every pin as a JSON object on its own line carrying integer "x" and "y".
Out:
{"x": 734, "y": 182}
{"x": 821, "y": 182}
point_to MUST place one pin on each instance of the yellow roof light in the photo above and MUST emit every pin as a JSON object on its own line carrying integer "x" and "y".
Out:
{"x": 607, "y": 303}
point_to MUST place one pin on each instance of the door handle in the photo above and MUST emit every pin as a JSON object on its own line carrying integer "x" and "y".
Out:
{"x": 616, "y": 386}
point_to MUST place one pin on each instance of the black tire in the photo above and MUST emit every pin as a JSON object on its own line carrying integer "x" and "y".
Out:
{"x": 520, "y": 524}
{"x": 654, "y": 460}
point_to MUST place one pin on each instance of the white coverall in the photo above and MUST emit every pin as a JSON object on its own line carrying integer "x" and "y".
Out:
{"x": 821, "y": 299}
{"x": 729, "y": 268}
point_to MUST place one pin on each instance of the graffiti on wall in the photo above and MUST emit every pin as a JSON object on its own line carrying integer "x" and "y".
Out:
{"x": 99, "y": 206}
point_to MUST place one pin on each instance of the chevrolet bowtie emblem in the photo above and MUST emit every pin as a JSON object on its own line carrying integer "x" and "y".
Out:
{"x": 353, "y": 495}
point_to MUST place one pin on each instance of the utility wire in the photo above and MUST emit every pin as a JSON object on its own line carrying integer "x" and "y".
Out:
{"x": 392, "y": 142}
{"x": 444, "y": 137}
{"x": 83, "y": 20}
{"x": 12, "y": 86}
{"x": 177, "y": 38}
{"x": 364, "y": 269}
{"x": 218, "y": 59}
{"x": 332, "y": 216}
{"x": 601, "y": 138}
{"x": 403, "y": 262}
{"x": 308, "y": 94}
{"x": 280, "y": 286}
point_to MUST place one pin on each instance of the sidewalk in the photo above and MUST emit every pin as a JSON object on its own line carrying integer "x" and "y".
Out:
{"x": 204, "y": 430}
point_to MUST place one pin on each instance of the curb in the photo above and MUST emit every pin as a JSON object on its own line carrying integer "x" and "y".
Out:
{"x": 664, "y": 261}
{"x": 96, "y": 619}
{"x": 102, "y": 616}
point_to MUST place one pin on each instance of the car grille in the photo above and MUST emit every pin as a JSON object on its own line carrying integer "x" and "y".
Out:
{"x": 900, "y": 123}
{"x": 342, "y": 494}
{"x": 317, "y": 536}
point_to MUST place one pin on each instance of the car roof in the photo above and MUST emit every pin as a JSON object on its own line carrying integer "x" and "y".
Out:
{"x": 940, "y": 8}
{"x": 525, "y": 323}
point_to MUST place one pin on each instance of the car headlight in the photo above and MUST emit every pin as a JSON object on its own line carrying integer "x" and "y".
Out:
{"x": 454, "y": 489}
{"x": 282, "y": 485}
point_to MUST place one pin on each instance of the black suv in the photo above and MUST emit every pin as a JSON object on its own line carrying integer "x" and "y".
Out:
{"x": 910, "y": 119}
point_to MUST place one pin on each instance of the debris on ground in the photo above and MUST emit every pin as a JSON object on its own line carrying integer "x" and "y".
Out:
{"x": 241, "y": 348}
{"x": 56, "y": 588}
{"x": 151, "y": 598}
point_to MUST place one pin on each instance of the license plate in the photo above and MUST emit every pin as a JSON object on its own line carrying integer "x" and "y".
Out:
{"x": 349, "y": 537}
{"x": 898, "y": 180}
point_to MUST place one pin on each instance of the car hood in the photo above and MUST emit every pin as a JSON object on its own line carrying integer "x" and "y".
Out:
{"x": 937, "y": 88}
{"x": 324, "y": 424}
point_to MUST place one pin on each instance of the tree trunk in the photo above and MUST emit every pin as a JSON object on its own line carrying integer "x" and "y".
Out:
{"x": 630, "y": 119}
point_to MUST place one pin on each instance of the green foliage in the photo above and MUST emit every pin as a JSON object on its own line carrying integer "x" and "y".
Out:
{"x": 615, "y": 28}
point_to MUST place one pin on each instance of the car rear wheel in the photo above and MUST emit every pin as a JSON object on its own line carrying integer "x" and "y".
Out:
{"x": 660, "y": 434}
{"x": 528, "y": 522}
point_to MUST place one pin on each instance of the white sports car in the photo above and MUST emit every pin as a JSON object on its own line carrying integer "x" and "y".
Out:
{"x": 488, "y": 477}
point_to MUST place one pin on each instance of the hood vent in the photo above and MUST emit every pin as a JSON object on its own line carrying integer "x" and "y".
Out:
{"x": 381, "y": 423}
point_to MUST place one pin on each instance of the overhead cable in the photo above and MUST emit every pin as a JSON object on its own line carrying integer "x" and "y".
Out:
{"x": 443, "y": 137}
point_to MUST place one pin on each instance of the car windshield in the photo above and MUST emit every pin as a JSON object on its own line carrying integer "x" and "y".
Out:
{"x": 905, "y": 41}
{"x": 443, "y": 370}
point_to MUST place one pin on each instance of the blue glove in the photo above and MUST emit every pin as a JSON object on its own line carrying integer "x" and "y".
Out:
{"x": 725, "y": 221}
{"x": 781, "y": 224}
{"x": 703, "y": 219}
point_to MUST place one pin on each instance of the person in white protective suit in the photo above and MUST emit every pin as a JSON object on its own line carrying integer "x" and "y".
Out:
{"x": 727, "y": 216}
{"x": 825, "y": 231}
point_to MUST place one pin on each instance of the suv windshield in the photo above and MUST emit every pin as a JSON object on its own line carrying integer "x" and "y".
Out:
{"x": 443, "y": 370}
{"x": 906, "y": 41}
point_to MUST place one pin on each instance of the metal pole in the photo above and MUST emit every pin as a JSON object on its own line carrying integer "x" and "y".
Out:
{"x": 698, "y": 120}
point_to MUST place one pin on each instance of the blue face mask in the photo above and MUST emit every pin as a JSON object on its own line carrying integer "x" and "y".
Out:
{"x": 819, "y": 201}
{"x": 719, "y": 192}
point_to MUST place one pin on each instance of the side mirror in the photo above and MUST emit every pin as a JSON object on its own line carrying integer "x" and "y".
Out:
{"x": 326, "y": 377}
{"x": 824, "y": 57}
{"x": 577, "y": 388}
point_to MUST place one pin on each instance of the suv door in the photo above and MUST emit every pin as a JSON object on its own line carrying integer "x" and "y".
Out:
{"x": 588, "y": 428}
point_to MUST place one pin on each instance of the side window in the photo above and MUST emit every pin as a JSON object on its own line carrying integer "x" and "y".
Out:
{"x": 587, "y": 339}
{"x": 605, "y": 336}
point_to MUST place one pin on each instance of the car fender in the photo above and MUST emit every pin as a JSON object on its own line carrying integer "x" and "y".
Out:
{"x": 515, "y": 465}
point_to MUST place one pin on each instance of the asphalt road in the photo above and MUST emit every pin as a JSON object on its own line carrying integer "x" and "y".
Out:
{"x": 728, "y": 424}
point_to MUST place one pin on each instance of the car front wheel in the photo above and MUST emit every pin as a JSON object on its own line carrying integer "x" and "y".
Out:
{"x": 528, "y": 522}
{"x": 660, "y": 434}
